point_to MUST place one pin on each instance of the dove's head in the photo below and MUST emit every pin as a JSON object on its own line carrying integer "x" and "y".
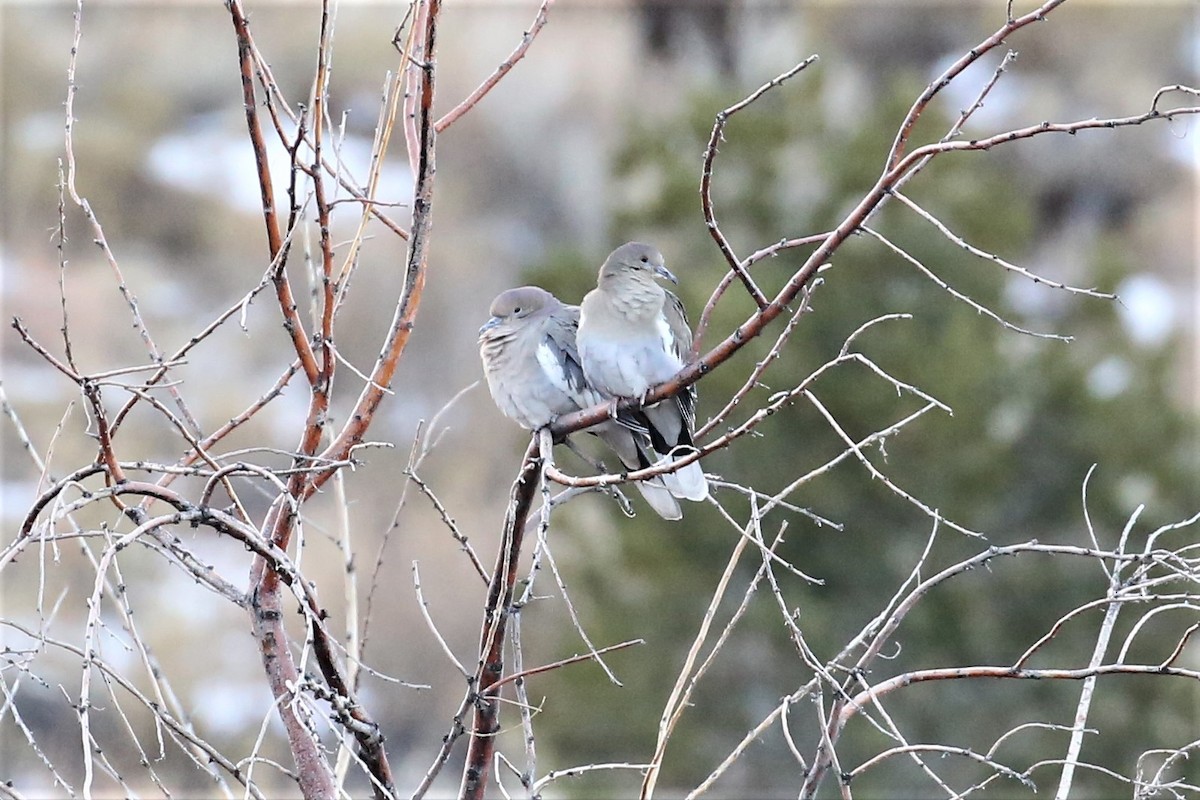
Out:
{"x": 635, "y": 261}
{"x": 511, "y": 308}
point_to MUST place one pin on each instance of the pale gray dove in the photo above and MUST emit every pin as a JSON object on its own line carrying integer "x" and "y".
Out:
{"x": 535, "y": 376}
{"x": 634, "y": 334}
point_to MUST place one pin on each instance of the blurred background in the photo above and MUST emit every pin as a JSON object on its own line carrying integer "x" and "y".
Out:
{"x": 594, "y": 139}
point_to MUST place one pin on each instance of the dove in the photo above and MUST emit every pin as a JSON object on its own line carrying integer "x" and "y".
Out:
{"x": 634, "y": 334}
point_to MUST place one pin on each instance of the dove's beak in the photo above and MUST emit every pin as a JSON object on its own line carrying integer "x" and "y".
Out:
{"x": 666, "y": 274}
{"x": 487, "y": 326}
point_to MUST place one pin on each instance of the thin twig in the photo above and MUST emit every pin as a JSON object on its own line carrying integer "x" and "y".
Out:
{"x": 539, "y": 21}
{"x": 710, "y": 154}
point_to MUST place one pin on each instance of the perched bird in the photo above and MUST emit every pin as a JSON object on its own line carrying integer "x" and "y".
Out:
{"x": 535, "y": 376}
{"x": 634, "y": 334}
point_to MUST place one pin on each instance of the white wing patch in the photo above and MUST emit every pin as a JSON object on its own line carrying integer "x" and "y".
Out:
{"x": 671, "y": 362}
{"x": 552, "y": 367}
{"x": 665, "y": 334}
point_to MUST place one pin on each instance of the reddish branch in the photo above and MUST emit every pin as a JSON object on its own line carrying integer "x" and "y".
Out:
{"x": 418, "y": 252}
{"x": 266, "y": 608}
{"x": 325, "y": 342}
{"x": 564, "y": 662}
{"x": 956, "y": 69}
{"x": 106, "y": 456}
{"x": 275, "y": 244}
{"x": 1071, "y": 128}
{"x": 315, "y": 776}
{"x": 727, "y": 281}
{"x": 271, "y": 567}
{"x": 539, "y": 21}
{"x": 275, "y": 102}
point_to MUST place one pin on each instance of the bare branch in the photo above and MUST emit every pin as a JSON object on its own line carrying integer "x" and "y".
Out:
{"x": 710, "y": 154}
{"x": 539, "y": 21}
{"x": 424, "y": 606}
{"x": 497, "y": 610}
{"x": 954, "y": 70}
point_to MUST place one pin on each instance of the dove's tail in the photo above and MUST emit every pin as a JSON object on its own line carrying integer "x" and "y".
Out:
{"x": 660, "y": 498}
{"x": 687, "y": 482}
